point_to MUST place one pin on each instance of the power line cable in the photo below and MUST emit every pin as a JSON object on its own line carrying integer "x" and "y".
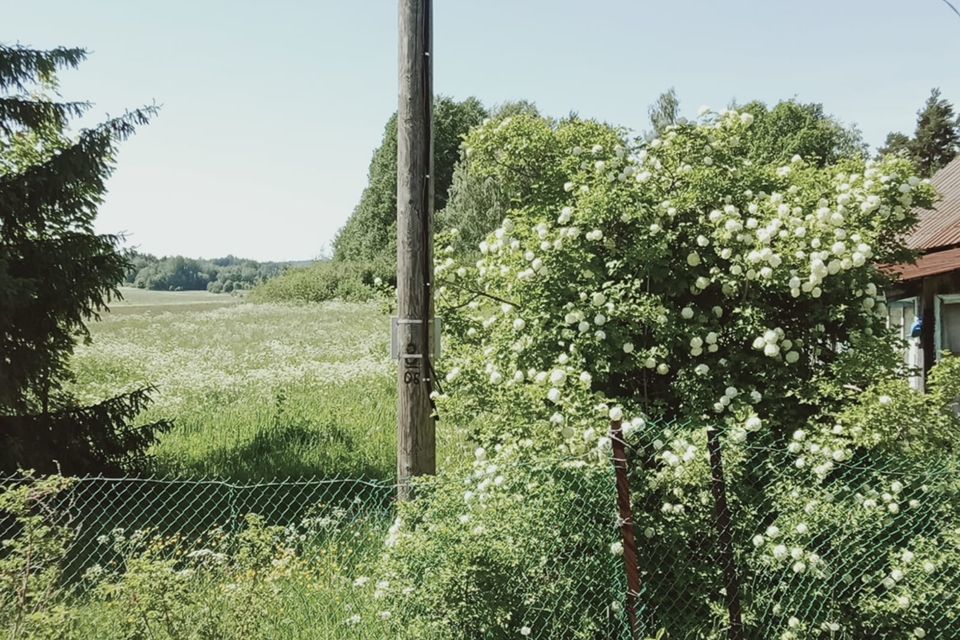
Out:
{"x": 952, "y": 8}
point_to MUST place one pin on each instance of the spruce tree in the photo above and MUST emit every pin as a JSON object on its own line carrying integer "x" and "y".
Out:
{"x": 56, "y": 272}
{"x": 936, "y": 140}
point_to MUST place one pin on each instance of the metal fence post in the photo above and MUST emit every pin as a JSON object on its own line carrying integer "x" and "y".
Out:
{"x": 724, "y": 535}
{"x": 626, "y": 522}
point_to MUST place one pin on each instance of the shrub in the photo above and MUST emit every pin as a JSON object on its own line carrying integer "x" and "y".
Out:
{"x": 31, "y": 592}
{"x": 331, "y": 280}
{"x": 370, "y": 234}
{"x": 506, "y": 547}
{"x": 682, "y": 279}
{"x": 261, "y": 581}
{"x": 667, "y": 275}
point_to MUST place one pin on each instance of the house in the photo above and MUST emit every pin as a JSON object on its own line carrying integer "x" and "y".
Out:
{"x": 924, "y": 306}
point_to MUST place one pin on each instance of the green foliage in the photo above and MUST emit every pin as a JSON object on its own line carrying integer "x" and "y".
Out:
{"x": 161, "y": 590}
{"x": 220, "y": 275}
{"x": 258, "y": 581}
{"x": 704, "y": 241}
{"x": 476, "y": 203}
{"x": 665, "y": 112}
{"x": 56, "y": 272}
{"x": 82, "y": 439}
{"x": 778, "y": 133}
{"x": 936, "y": 140}
{"x": 792, "y": 128}
{"x": 943, "y": 380}
{"x": 507, "y": 550}
{"x": 31, "y": 606}
{"x": 513, "y": 108}
{"x": 709, "y": 280}
{"x": 365, "y": 249}
{"x": 452, "y": 120}
{"x": 327, "y": 280}
{"x": 897, "y": 144}
{"x": 869, "y": 360}
{"x": 891, "y": 416}
{"x": 370, "y": 234}
{"x": 484, "y": 189}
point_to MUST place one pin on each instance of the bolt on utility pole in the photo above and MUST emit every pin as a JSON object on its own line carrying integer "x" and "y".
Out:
{"x": 414, "y": 328}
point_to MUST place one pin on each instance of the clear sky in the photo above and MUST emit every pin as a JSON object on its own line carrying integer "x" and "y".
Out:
{"x": 272, "y": 108}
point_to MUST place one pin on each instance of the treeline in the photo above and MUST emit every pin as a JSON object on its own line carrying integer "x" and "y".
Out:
{"x": 475, "y": 201}
{"x": 347, "y": 280}
{"x": 365, "y": 249}
{"x": 220, "y": 275}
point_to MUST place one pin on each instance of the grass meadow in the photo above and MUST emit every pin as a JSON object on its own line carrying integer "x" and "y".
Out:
{"x": 255, "y": 390}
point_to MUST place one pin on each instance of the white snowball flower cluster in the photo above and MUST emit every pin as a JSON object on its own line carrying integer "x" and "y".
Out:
{"x": 768, "y": 342}
{"x": 486, "y": 478}
{"x": 726, "y": 402}
{"x": 886, "y": 501}
{"x": 677, "y": 457}
{"x": 796, "y": 557}
{"x": 820, "y": 455}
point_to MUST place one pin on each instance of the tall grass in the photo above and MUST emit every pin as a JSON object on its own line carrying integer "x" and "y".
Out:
{"x": 255, "y": 390}
{"x": 298, "y": 429}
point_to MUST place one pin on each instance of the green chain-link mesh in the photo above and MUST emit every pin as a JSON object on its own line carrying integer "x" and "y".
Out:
{"x": 865, "y": 551}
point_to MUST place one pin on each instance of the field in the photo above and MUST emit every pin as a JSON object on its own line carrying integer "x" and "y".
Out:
{"x": 145, "y": 301}
{"x": 255, "y": 391}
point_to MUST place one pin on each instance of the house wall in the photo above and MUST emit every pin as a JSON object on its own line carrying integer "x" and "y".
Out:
{"x": 926, "y": 291}
{"x": 933, "y": 286}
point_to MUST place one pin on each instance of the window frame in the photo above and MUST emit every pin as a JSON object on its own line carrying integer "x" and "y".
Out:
{"x": 941, "y": 299}
{"x": 913, "y": 301}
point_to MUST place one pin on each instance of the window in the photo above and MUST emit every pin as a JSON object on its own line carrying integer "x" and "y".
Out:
{"x": 901, "y": 317}
{"x": 947, "y": 334}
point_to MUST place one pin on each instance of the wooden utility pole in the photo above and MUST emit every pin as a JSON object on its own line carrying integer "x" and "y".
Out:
{"x": 416, "y": 433}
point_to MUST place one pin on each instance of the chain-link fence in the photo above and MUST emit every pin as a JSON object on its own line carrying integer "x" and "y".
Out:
{"x": 99, "y": 511}
{"x": 794, "y": 538}
{"x": 787, "y": 540}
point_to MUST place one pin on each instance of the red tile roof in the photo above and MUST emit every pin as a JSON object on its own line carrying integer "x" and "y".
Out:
{"x": 940, "y": 227}
{"x": 929, "y": 264}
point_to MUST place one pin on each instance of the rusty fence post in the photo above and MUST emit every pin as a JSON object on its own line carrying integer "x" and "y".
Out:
{"x": 626, "y": 522}
{"x": 724, "y": 535}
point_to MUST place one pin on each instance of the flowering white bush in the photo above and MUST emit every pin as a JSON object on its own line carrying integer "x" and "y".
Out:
{"x": 678, "y": 280}
{"x": 676, "y": 286}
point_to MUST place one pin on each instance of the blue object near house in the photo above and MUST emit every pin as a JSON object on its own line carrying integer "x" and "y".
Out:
{"x": 915, "y": 329}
